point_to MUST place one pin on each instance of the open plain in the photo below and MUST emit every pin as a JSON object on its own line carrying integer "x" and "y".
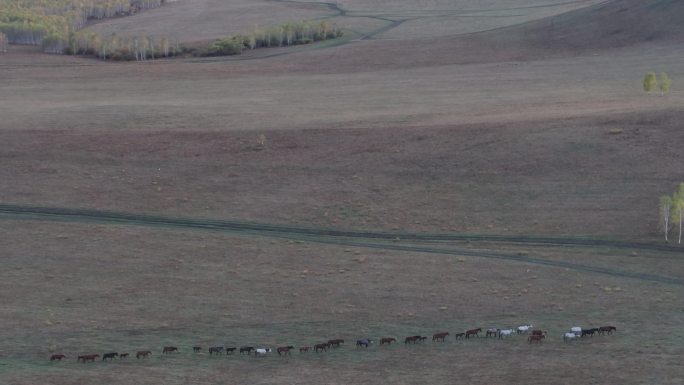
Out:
{"x": 494, "y": 163}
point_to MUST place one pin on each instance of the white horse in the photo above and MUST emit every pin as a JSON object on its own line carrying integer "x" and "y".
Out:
{"x": 505, "y": 333}
{"x": 569, "y": 336}
{"x": 577, "y": 330}
{"x": 524, "y": 329}
{"x": 259, "y": 352}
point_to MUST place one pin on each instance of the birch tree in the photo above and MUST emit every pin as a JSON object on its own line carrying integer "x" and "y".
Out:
{"x": 3, "y": 42}
{"x": 665, "y": 206}
{"x": 650, "y": 82}
{"x": 664, "y": 83}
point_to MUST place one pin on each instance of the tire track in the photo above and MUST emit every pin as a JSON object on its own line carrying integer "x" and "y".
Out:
{"x": 506, "y": 257}
{"x": 265, "y": 228}
{"x": 347, "y": 238}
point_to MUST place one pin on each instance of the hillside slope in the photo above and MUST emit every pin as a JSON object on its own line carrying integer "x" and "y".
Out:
{"x": 612, "y": 24}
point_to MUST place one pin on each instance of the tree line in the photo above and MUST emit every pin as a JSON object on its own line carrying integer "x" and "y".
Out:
{"x": 51, "y": 23}
{"x": 672, "y": 211}
{"x": 114, "y": 47}
{"x": 303, "y": 32}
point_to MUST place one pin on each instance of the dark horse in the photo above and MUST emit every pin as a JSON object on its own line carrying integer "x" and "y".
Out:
{"x": 88, "y": 357}
{"x": 439, "y": 336}
{"x": 196, "y": 349}
{"x": 324, "y": 347}
{"x": 169, "y": 349}
{"x": 412, "y": 339}
{"x": 304, "y": 349}
{"x": 143, "y": 354}
{"x": 123, "y": 355}
{"x": 364, "y": 342}
{"x": 387, "y": 340}
{"x": 230, "y": 350}
{"x": 472, "y": 332}
{"x": 607, "y": 329}
{"x": 247, "y": 349}
{"x": 109, "y": 355}
{"x": 335, "y": 343}
{"x": 459, "y": 335}
{"x": 589, "y": 332}
{"x": 216, "y": 349}
{"x": 57, "y": 357}
{"x": 285, "y": 349}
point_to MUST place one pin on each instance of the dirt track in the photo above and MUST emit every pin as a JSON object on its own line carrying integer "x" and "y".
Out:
{"x": 356, "y": 239}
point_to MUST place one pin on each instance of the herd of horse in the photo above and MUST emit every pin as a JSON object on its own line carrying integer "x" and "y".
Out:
{"x": 533, "y": 336}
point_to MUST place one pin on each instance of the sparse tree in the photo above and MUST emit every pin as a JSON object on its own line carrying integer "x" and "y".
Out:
{"x": 664, "y": 83}
{"x": 650, "y": 82}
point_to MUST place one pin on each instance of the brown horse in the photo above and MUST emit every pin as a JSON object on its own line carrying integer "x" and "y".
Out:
{"x": 285, "y": 349}
{"x": 247, "y": 349}
{"x": 492, "y": 332}
{"x": 439, "y": 336}
{"x": 472, "y": 332}
{"x": 169, "y": 349}
{"x": 538, "y": 332}
{"x": 387, "y": 340}
{"x": 88, "y": 357}
{"x": 335, "y": 343}
{"x": 57, "y": 357}
{"x": 607, "y": 329}
{"x": 304, "y": 349}
{"x": 536, "y": 338}
{"x": 143, "y": 354}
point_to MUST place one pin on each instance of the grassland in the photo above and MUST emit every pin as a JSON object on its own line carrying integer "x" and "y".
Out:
{"x": 502, "y": 132}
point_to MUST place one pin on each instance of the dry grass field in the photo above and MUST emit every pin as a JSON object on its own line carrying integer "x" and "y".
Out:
{"x": 441, "y": 124}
